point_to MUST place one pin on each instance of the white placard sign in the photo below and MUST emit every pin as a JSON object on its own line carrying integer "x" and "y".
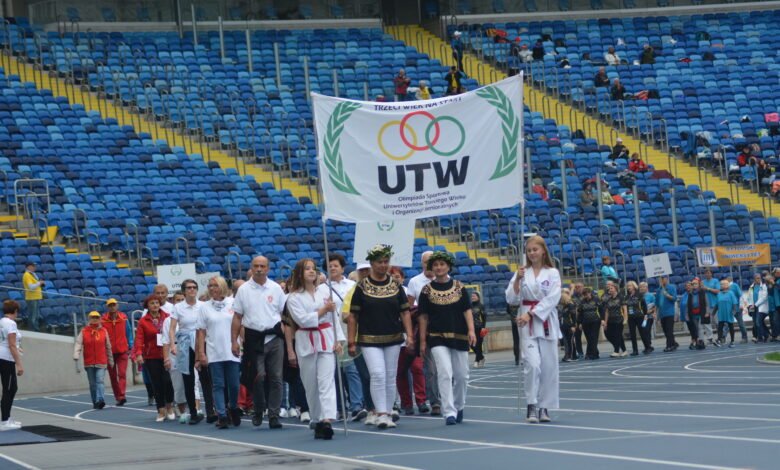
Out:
{"x": 657, "y": 265}
{"x": 172, "y": 275}
{"x": 203, "y": 281}
{"x": 398, "y": 233}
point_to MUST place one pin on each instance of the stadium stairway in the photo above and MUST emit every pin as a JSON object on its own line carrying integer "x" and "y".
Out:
{"x": 108, "y": 110}
{"x": 536, "y": 100}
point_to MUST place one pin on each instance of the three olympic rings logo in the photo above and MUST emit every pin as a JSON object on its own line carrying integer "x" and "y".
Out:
{"x": 431, "y": 134}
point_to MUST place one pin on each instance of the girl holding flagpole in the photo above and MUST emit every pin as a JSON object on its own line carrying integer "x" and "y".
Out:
{"x": 536, "y": 288}
{"x": 316, "y": 339}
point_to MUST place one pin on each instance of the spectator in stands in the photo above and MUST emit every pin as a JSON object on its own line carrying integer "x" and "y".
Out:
{"x": 567, "y": 311}
{"x": 647, "y": 56}
{"x": 538, "y": 188}
{"x": 478, "y": 312}
{"x": 33, "y": 294}
{"x": 401, "y": 83}
{"x": 258, "y": 306}
{"x": 10, "y": 362}
{"x": 453, "y": 79}
{"x": 524, "y": 54}
{"x": 120, "y": 334}
{"x": 613, "y": 313}
{"x": 589, "y": 321}
{"x": 457, "y": 49}
{"x": 538, "y": 51}
{"x": 744, "y": 156}
{"x": 148, "y": 353}
{"x": 423, "y": 92}
{"x": 617, "y": 92}
{"x": 758, "y": 308}
{"x": 665, "y": 302}
{"x": 94, "y": 343}
{"x": 737, "y": 291}
{"x": 611, "y": 57}
{"x": 608, "y": 272}
{"x": 619, "y": 150}
{"x": 636, "y": 164}
{"x": 601, "y": 80}
{"x": 555, "y": 192}
{"x": 606, "y": 196}
{"x": 587, "y": 198}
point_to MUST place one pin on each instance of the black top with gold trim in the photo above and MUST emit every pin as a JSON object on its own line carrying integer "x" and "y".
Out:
{"x": 444, "y": 303}
{"x": 377, "y": 306}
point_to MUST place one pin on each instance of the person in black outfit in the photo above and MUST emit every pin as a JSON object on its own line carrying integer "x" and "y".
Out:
{"x": 590, "y": 322}
{"x": 601, "y": 80}
{"x": 538, "y": 51}
{"x": 636, "y": 310}
{"x": 478, "y": 312}
{"x": 613, "y": 312}
{"x": 575, "y": 297}
{"x": 567, "y": 312}
{"x": 511, "y": 310}
{"x": 617, "y": 92}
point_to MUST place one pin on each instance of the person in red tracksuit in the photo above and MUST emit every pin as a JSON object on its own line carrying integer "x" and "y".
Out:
{"x": 410, "y": 363}
{"x": 93, "y": 342}
{"x": 148, "y": 352}
{"x": 120, "y": 332}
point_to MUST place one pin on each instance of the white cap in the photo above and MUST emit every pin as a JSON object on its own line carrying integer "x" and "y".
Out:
{"x": 363, "y": 265}
{"x": 618, "y": 140}
{"x": 456, "y": 33}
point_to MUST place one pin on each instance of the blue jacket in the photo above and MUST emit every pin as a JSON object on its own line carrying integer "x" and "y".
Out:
{"x": 665, "y": 306}
{"x": 727, "y": 304}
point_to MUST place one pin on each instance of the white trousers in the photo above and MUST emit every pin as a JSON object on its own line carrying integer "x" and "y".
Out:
{"x": 382, "y": 364}
{"x": 452, "y": 369}
{"x": 540, "y": 371}
{"x": 318, "y": 375}
{"x": 178, "y": 387}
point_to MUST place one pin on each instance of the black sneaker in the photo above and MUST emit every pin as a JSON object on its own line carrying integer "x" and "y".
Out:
{"x": 635, "y": 353}
{"x": 359, "y": 415}
{"x": 436, "y": 410}
{"x": 257, "y": 419}
{"x": 409, "y": 411}
{"x": 196, "y": 419}
{"x": 424, "y": 408}
{"x": 121, "y": 402}
{"x": 273, "y": 423}
{"x": 235, "y": 417}
{"x": 150, "y": 402}
{"x": 327, "y": 431}
{"x": 531, "y": 415}
{"x": 318, "y": 431}
{"x": 95, "y": 405}
{"x": 100, "y": 405}
{"x": 692, "y": 346}
{"x": 544, "y": 417}
{"x": 211, "y": 419}
{"x": 223, "y": 422}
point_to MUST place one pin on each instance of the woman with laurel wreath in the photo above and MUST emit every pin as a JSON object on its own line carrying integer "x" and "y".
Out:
{"x": 379, "y": 317}
{"x": 447, "y": 325}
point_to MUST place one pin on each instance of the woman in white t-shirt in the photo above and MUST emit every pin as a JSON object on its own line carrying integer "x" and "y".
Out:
{"x": 10, "y": 362}
{"x": 215, "y": 317}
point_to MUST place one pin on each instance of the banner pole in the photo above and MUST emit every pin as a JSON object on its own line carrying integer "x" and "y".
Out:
{"x": 524, "y": 157}
{"x": 334, "y": 317}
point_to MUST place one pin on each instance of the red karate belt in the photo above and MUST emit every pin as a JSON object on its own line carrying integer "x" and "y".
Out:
{"x": 320, "y": 328}
{"x": 546, "y": 324}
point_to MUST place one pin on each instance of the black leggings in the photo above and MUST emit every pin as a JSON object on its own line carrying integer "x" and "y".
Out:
{"x": 478, "y": 347}
{"x": 634, "y": 324}
{"x": 667, "y": 323}
{"x": 722, "y": 326}
{"x": 8, "y": 378}
{"x": 189, "y": 388}
{"x": 614, "y": 334}
{"x": 161, "y": 382}
{"x": 592, "y": 337}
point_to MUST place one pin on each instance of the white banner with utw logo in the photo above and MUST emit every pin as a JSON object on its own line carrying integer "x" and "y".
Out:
{"x": 415, "y": 159}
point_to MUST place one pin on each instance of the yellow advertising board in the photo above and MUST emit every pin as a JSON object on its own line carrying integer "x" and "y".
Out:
{"x": 736, "y": 255}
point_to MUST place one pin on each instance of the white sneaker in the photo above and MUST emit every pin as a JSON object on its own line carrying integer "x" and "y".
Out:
{"x": 160, "y": 418}
{"x": 283, "y": 413}
{"x": 383, "y": 421}
{"x": 17, "y": 423}
{"x": 372, "y": 419}
{"x": 476, "y": 365}
{"x": 9, "y": 425}
{"x": 184, "y": 418}
{"x": 390, "y": 423}
{"x": 305, "y": 417}
{"x": 171, "y": 416}
{"x": 293, "y": 413}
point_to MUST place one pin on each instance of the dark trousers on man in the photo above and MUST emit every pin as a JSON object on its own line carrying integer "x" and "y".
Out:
{"x": 667, "y": 323}
{"x": 269, "y": 367}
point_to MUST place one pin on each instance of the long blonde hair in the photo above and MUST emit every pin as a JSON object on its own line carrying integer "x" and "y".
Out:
{"x": 547, "y": 261}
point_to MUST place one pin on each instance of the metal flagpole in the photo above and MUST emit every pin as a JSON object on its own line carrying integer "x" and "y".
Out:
{"x": 334, "y": 317}
{"x": 524, "y": 158}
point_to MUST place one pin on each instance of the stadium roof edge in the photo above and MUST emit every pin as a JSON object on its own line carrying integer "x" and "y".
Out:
{"x": 132, "y": 26}
{"x": 525, "y": 17}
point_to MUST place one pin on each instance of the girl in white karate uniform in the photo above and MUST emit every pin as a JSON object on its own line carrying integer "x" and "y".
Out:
{"x": 536, "y": 289}
{"x": 316, "y": 339}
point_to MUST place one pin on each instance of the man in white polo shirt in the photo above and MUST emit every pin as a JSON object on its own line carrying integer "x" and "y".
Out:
{"x": 413, "y": 290}
{"x": 258, "y": 307}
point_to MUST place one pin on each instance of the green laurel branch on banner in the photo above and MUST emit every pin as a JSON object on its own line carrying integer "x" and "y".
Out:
{"x": 510, "y": 124}
{"x": 332, "y": 143}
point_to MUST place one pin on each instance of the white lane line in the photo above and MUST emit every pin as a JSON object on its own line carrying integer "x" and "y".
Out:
{"x": 667, "y": 402}
{"x": 351, "y": 461}
{"x": 68, "y": 401}
{"x": 690, "y": 365}
{"x": 632, "y": 432}
{"x": 19, "y": 462}
{"x": 653, "y": 392}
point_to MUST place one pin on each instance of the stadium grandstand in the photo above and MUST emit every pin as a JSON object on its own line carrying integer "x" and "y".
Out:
{"x": 139, "y": 139}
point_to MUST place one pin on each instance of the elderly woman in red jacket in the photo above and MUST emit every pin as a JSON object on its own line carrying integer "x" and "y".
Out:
{"x": 148, "y": 352}
{"x": 93, "y": 342}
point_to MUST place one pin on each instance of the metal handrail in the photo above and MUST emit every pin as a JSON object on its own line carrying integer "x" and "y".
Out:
{"x": 230, "y": 266}
{"x": 76, "y": 225}
{"x": 644, "y": 245}
{"x": 151, "y": 257}
{"x": 186, "y": 249}
{"x": 128, "y": 225}
{"x": 616, "y": 254}
{"x": 609, "y": 236}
